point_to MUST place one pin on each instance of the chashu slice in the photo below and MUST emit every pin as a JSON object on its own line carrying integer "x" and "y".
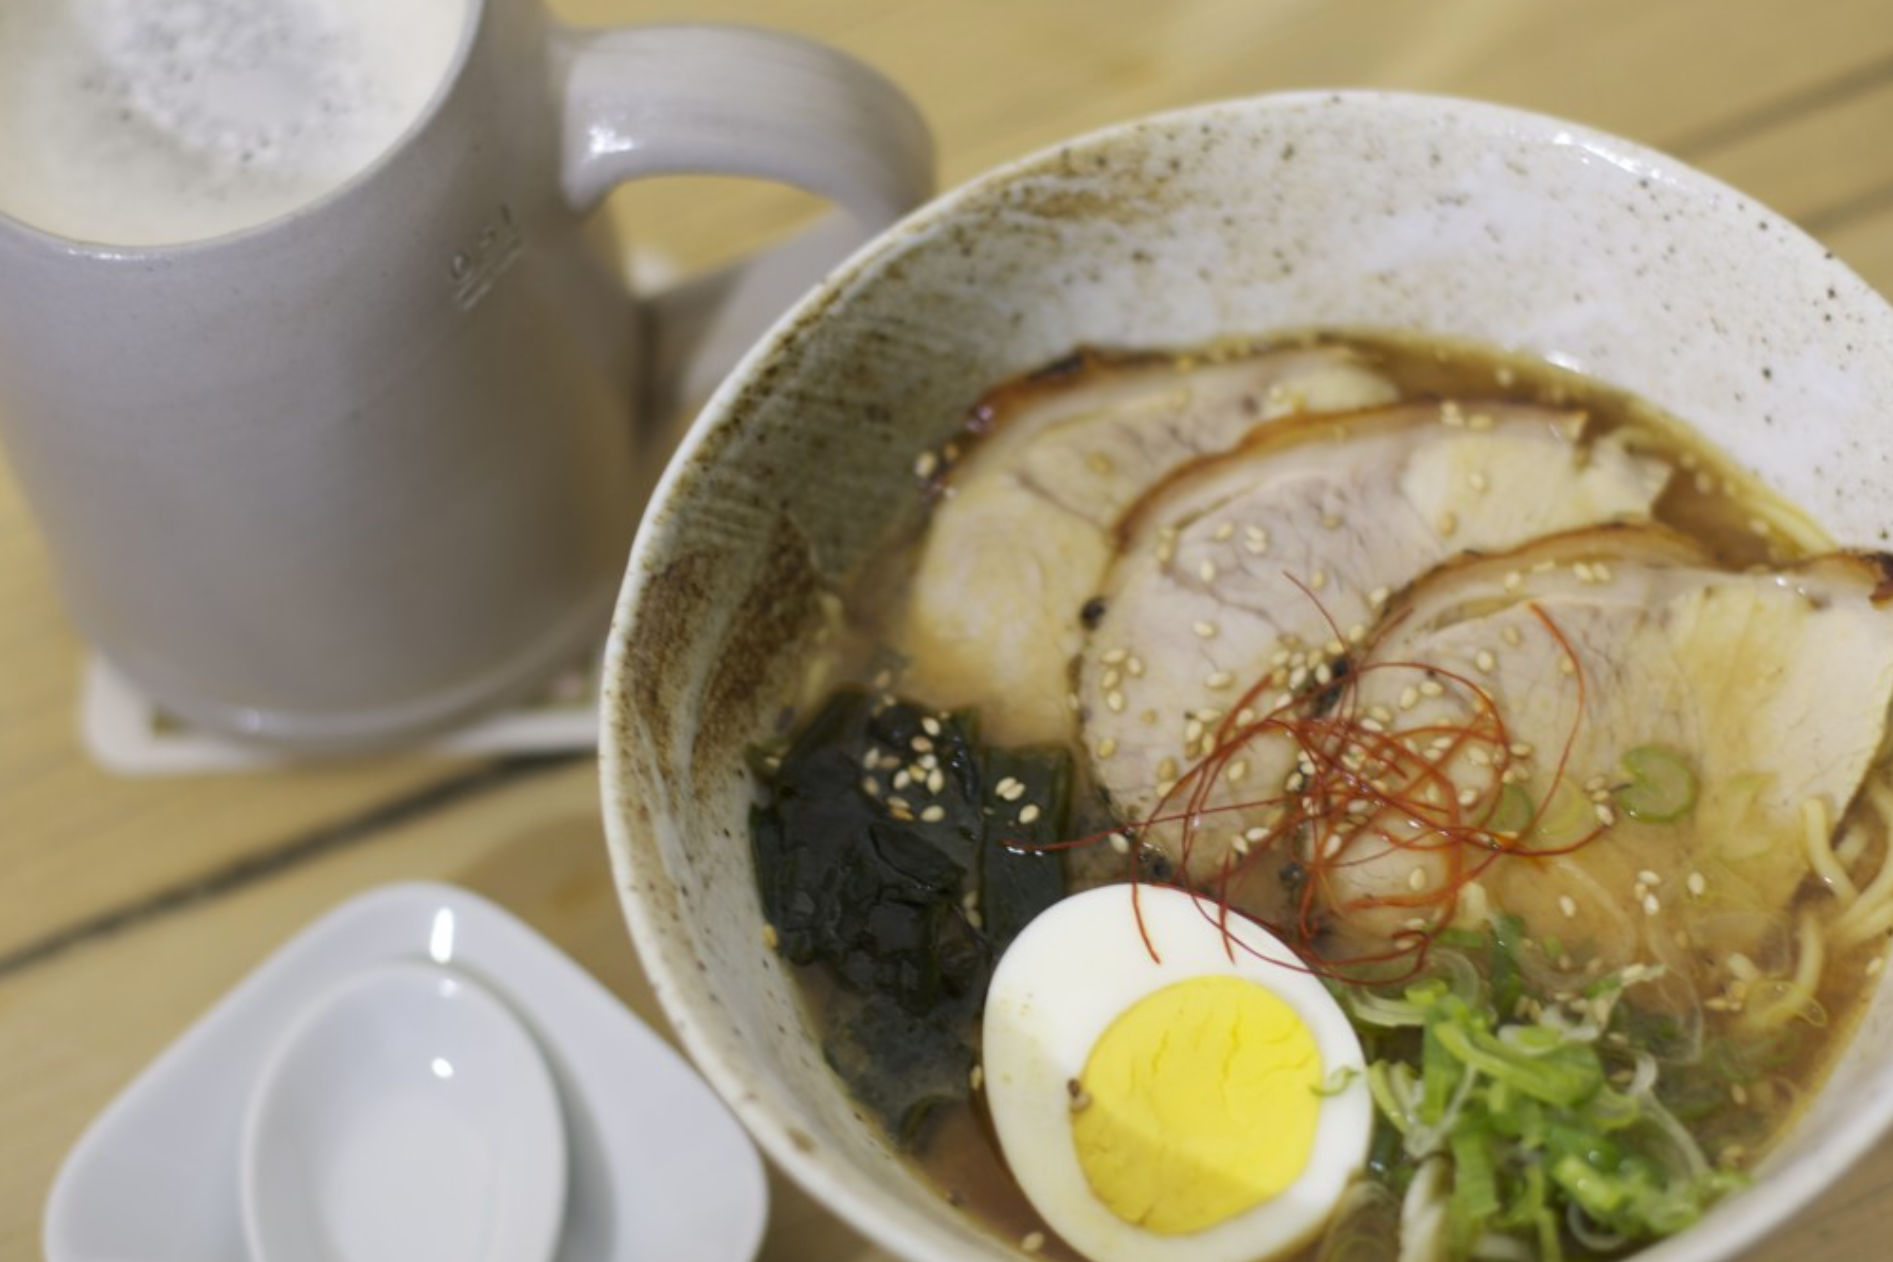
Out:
{"x": 1022, "y": 536}
{"x": 1768, "y": 690}
{"x": 1242, "y": 577}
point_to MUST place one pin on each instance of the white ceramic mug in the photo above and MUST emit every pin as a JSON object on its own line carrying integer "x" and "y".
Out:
{"x": 370, "y": 465}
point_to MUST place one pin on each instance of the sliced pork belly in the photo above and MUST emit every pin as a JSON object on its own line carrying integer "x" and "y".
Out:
{"x": 1767, "y": 691}
{"x": 1243, "y": 577}
{"x": 1022, "y": 537}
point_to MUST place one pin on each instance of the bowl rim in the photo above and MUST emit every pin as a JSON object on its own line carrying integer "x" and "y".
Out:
{"x": 1739, "y": 1221}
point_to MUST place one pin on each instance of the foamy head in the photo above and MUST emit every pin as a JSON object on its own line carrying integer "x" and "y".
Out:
{"x": 128, "y": 122}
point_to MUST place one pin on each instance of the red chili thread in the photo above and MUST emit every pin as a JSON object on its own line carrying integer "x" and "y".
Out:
{"x": 1351, "y": 763}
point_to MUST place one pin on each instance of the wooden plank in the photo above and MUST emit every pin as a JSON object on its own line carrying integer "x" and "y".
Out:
{"x": 1814, "y": 166}
{"x": 1864, "y": 241}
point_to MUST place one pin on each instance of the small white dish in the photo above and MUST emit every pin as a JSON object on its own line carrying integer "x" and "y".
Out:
{"x": 407, "y": 1117}
{"x": 656, "y": 1168}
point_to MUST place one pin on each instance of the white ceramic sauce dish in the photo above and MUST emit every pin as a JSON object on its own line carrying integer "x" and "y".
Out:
{"x": 656, "y": 1169}
{"x": 1336, "y": 210}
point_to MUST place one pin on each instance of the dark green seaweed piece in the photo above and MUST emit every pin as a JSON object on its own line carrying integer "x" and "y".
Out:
{"x": 1019, "y": 874}
{"x": 878, "y": 835}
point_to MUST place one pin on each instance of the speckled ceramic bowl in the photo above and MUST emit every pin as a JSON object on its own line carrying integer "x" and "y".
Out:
{"x": 1344, "y": 210}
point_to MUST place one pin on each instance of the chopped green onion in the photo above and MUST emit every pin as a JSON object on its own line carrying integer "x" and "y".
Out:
{"x": 1662, "y": 788}
{"x": 1537, "y": 1140}
{"x": 1513, "y": 812}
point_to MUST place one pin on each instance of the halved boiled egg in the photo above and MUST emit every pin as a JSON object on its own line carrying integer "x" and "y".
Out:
{"x": 1165, "y": 1093}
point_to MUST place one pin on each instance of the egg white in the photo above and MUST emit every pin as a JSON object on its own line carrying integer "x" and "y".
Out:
{"x": 1071, "y": 973}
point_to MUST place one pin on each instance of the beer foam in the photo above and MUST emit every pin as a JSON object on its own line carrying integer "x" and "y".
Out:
{"x": 125, "y": 122}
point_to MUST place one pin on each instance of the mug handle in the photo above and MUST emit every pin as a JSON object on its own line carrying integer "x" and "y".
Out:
{"x": 733, "y": 100}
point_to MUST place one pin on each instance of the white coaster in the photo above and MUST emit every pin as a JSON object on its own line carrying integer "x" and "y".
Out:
{"x": 127, "y": 733}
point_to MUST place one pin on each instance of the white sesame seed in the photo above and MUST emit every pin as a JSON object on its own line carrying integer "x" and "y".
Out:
{"x": 1649, "y": 878}
{"x": 1448, "y": 524}
{"x": 1107, "y": 747}
{"x": 1568, "y": 906}
{"x": 1033, "y": 1241}
{"x": 1318, "y": 580}
{"x": 1650, "y": 906}
{"x": 770, "y": 939}
{"x": 1205, "y": 630}
{"x": 1432, "y": 688}
{"x": 930, "y": 725}
{"x": 1009, "y": 789}
{"x": 933, "y": 814}
{"x": 1167, "y": 769}
{"x": 925, "y": 464}
{"x": 1134, "y": 667}
{"x": 1029, "y": 813}
{"x": 1120, "y": 843}
{"x": 1416, "y": 879}
{"x": 1115, "y": 656}
{"x": 1115, "y": 702}
{"x": 977, "y": 1078}
{"x": 1520, "y": 749}
{"x": 1484, "y": 660}
{"x": 1237, "y": 770}
{"x": 936, "y": 780}
{"x": 1378, "y": 597}
{"x": 1697, "y": 884}
{"x": 1605, "y": 815}
{"x": 1207, "y": 571}
{"x": 1224, "y": 531}
{"x": 1219, "y": 680}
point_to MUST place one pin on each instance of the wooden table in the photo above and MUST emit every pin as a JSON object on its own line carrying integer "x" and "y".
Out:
{"x": 128, "y": 906}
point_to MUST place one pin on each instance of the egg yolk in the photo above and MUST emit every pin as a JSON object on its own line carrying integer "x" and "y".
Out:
{"x": 1197, "y": 1104}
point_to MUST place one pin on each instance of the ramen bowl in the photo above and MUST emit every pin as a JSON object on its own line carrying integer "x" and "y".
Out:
{"x": 1335, "y": 210}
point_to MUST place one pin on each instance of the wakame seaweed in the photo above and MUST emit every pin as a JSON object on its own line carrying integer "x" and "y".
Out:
{"x": 898, "y": 857}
